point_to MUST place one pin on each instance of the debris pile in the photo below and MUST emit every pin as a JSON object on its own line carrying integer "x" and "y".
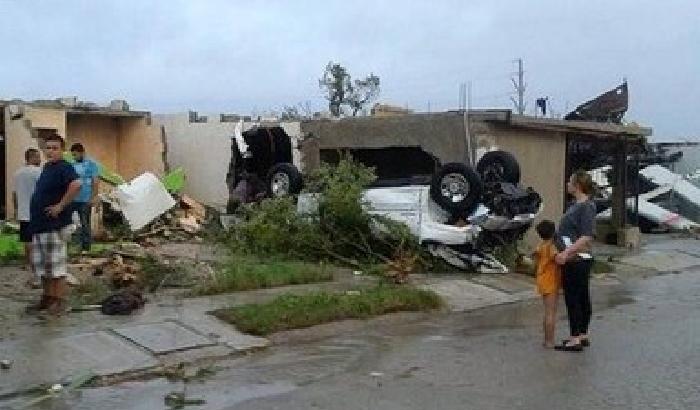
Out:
{"x": 152, "y": 210}
{"x": 121, "y": 268}
{"x": 183, "y": 223}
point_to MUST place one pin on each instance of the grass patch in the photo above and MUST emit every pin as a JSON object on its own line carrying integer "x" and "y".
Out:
{"x": 11, "y": 249}
{"x": 247, "y": 273}
{"x": 293, "y": 312}
{"x": 157, "y": 275}
{"x": 96, "y": 249}
{"x": 600, "y": 266}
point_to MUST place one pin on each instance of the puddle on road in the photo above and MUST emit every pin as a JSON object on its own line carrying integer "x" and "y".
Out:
{"x": 151, "y": 395}
{"x": 282, "y": 369}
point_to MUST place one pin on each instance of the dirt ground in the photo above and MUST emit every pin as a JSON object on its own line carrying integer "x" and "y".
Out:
{"x": 14, "y": 289}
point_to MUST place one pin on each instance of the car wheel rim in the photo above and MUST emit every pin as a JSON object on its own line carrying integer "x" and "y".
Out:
{"x": 454, "y": 187}
{"x": 280, "y": 184}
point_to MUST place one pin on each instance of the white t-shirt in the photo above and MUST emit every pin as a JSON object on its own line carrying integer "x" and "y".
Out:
{"x": 25, "y": 182}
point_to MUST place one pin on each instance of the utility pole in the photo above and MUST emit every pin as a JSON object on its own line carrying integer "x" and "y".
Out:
{"x": 519, "y": 88}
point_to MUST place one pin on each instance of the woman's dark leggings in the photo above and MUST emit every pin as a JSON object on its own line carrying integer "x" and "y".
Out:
{"x": 577, "y": 295}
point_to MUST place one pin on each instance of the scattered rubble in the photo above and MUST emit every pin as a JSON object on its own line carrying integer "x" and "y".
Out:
{"x": 153, "y": 212}
{"x": 178, "y": 400}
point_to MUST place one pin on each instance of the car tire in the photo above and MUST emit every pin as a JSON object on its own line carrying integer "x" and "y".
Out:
{"x": 456, "y": 188}
{"x": 283, "y": 179}
{"x": 498, "y": 166}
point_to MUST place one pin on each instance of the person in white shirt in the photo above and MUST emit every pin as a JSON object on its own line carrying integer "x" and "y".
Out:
{"x": 25, "y": 181}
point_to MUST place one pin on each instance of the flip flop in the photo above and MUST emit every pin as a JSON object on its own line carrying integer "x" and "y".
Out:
{"x": 567, "y": 347}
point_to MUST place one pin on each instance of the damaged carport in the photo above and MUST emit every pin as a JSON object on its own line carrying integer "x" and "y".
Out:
{"x": 591, "y": 145}
{"x": 544, "y": 148}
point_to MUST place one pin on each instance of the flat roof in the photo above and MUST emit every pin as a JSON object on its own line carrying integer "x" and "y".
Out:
{"x": 583, "y": 127}
{"x": 506, "y": 117}
{"x": 107, "y": 112}
{"x": 85, "y": 109}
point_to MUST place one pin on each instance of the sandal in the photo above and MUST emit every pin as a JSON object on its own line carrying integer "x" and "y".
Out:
{"x": 569, "y": 347}
{"x": 584, "y": 342}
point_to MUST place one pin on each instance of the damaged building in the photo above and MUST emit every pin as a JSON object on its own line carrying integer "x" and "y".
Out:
{"x": 123, "y": 141}
{"x": 417, "y": 144}
{"x": 405, "y": 148}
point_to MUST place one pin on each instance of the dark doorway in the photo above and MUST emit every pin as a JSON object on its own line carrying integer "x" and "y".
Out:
{"x": 393, "y": 165}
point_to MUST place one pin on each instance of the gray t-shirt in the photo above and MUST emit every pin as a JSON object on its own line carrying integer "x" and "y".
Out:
{"x": 578, "y": 221}
{"x": 25, "y": 182}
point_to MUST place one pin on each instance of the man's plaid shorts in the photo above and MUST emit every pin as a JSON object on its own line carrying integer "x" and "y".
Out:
{"x": 50, "y": 254}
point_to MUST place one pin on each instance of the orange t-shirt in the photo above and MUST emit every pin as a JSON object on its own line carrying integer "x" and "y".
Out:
{"x": 548, "y": 274}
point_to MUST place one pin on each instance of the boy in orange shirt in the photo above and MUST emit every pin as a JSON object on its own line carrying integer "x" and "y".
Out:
{"x": 548, "y": 277}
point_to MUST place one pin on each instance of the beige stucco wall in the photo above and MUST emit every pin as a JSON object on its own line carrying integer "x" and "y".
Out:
{"x": 203, "y": 150}
{"x": 440, "y": 134}
{"x": 139, "y": 148}
{"x": 542, "y": 157}
{"x": 99, "y": 135}
{"x": 19, "y": 137}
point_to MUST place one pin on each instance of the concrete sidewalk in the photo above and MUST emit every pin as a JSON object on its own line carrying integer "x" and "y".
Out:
{"x": 172, "y": 330}
{"x": 59, "y": 350}
{"x": 166, "y": 331}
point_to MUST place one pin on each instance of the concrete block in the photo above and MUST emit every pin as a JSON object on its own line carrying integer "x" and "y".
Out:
{"x": 223, "y": 333}
{"x": 42, "y": 360}
{"x": 510, "y": 283}
{"x": 662, "y": 261}
{"x": 630, "y": 237}
{"x": 119, "y": 105}
{"x": 463, "y": 295}
{"x": 164, "y": 337}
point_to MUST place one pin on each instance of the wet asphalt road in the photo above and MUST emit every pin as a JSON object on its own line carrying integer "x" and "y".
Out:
{"x": 644, "y": 355}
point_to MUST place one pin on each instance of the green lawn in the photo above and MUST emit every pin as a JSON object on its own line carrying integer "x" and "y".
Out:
{"x": 246, "y": 273}
{"x": 11, "y": 249}
{"x": 292, "y": 311}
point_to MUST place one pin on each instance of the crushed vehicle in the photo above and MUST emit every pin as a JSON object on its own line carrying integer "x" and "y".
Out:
{"x": 459, "y": 212}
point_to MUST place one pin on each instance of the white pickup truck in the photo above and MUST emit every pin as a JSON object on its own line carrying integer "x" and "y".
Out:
{"x": 461, "y": 245}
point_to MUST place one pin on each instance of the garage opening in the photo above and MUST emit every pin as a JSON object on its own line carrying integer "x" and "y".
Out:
{"x": 393, "y": 166}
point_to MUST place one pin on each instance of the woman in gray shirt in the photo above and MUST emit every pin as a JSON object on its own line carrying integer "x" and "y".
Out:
{"x": 575, "y": 241}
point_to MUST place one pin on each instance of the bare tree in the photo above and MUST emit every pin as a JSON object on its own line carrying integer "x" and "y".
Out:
{"x": 341, "y": 90}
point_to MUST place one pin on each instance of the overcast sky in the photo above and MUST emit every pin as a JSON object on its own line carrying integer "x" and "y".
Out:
{"x": 253, "y": 56}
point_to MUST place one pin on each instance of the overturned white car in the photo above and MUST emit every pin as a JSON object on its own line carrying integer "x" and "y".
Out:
{"x": 458, "y": 217}
{"x": 459, "y": 212}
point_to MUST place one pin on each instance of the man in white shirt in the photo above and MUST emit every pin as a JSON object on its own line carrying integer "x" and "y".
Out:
{"x": 25, "y": 181}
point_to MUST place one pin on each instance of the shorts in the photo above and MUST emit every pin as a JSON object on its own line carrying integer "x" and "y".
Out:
{"x": 50, "y": 253}
{"x": 24, "y": 235}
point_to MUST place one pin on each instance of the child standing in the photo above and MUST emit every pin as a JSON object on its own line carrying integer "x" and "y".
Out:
{"x": 548, "y": 277}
